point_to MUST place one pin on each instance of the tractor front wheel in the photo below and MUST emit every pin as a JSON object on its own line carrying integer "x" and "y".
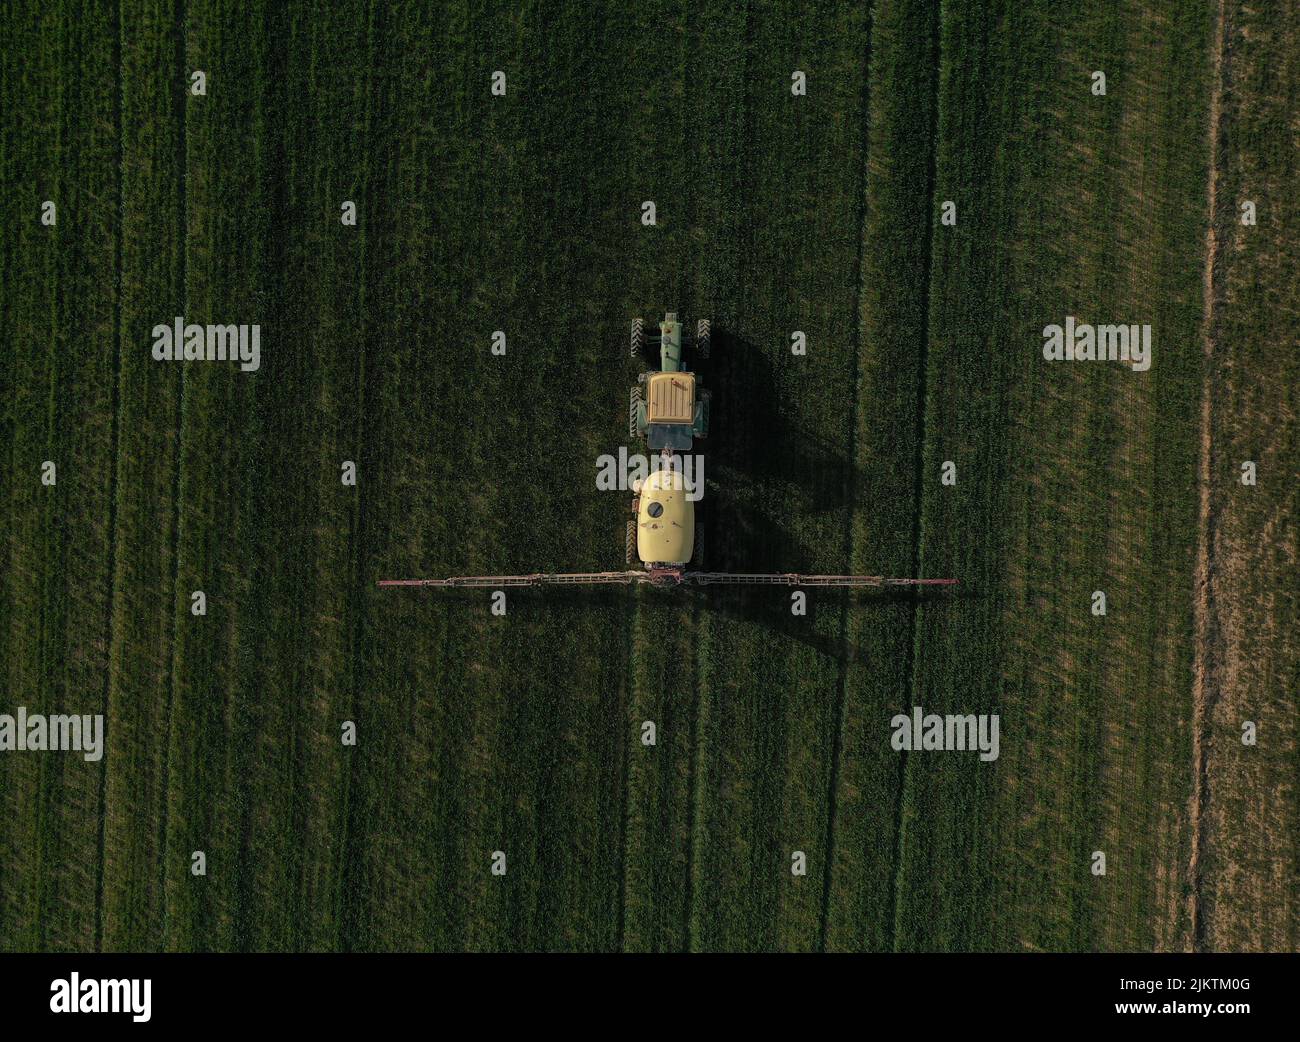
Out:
{"x": 703, "y": 334}
{"x": 638, "y": 337}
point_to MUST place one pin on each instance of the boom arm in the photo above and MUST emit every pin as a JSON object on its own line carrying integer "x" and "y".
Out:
{"x": 665, "y": 577}
{"x": 794, "y": 579}
{"x": 536, "y": 579}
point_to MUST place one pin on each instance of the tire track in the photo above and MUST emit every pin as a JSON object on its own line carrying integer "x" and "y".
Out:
{"x": 351, "y": 876}
{"x": 178, "y": 521}
{"x": 1206, "y": 660}
{"x": 850, "y": 490}
{"x": 112, "y": 468}
{"x": 922, "y": 399}
{"x": 697, "y": 816}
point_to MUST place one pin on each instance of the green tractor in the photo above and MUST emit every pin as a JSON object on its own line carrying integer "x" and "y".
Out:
{"x": 666, "y": 407}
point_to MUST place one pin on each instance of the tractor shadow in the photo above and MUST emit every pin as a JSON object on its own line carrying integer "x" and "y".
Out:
{"x": 757, "y": 455}
{"x": 755, "y": 443}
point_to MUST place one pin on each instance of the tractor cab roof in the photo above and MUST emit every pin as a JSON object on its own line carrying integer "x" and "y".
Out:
{"x": 670, "y": 398}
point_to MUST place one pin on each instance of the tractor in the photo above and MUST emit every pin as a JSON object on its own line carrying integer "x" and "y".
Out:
{"x": 669, "y": 410}
{"x": 666, "y": 407}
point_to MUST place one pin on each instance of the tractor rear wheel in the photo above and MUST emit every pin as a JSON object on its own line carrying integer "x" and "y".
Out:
{"x": 703, "y": 334}
{"x": 638, "y": 337}
{"x": 706, "y": 400}
{"x": 633, "y": 402}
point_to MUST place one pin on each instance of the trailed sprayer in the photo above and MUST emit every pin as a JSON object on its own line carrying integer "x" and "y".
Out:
{"x": 669, "y": 409}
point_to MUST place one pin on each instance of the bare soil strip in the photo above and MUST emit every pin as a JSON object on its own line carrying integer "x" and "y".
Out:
{"x": 1205, "y": 668}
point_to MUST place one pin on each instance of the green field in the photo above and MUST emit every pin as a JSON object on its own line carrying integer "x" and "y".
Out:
{"x": 522, "y": 734}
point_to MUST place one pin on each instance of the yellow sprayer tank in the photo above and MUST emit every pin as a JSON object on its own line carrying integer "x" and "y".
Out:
{"x": 665, "y": 523}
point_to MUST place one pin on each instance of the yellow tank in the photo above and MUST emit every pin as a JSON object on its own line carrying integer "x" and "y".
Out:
{"x": 665, "y": 523}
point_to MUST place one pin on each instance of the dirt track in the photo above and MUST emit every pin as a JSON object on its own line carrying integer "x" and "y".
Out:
{"x": 1205, "y": 681}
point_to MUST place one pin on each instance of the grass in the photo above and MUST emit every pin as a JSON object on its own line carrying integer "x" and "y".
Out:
{"x": 522, "y": 734}
{"x": 1255, "y": 661}
{"x": 1071, "y": 478}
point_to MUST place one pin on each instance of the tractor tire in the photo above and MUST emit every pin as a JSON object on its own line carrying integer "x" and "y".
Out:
{"x": 703, "y": 334}
{"x": 706, "y": 396}
{"x": 633, "y": 400}
{"x": 638, "y": 337}
{"x": 629, "y": 543}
